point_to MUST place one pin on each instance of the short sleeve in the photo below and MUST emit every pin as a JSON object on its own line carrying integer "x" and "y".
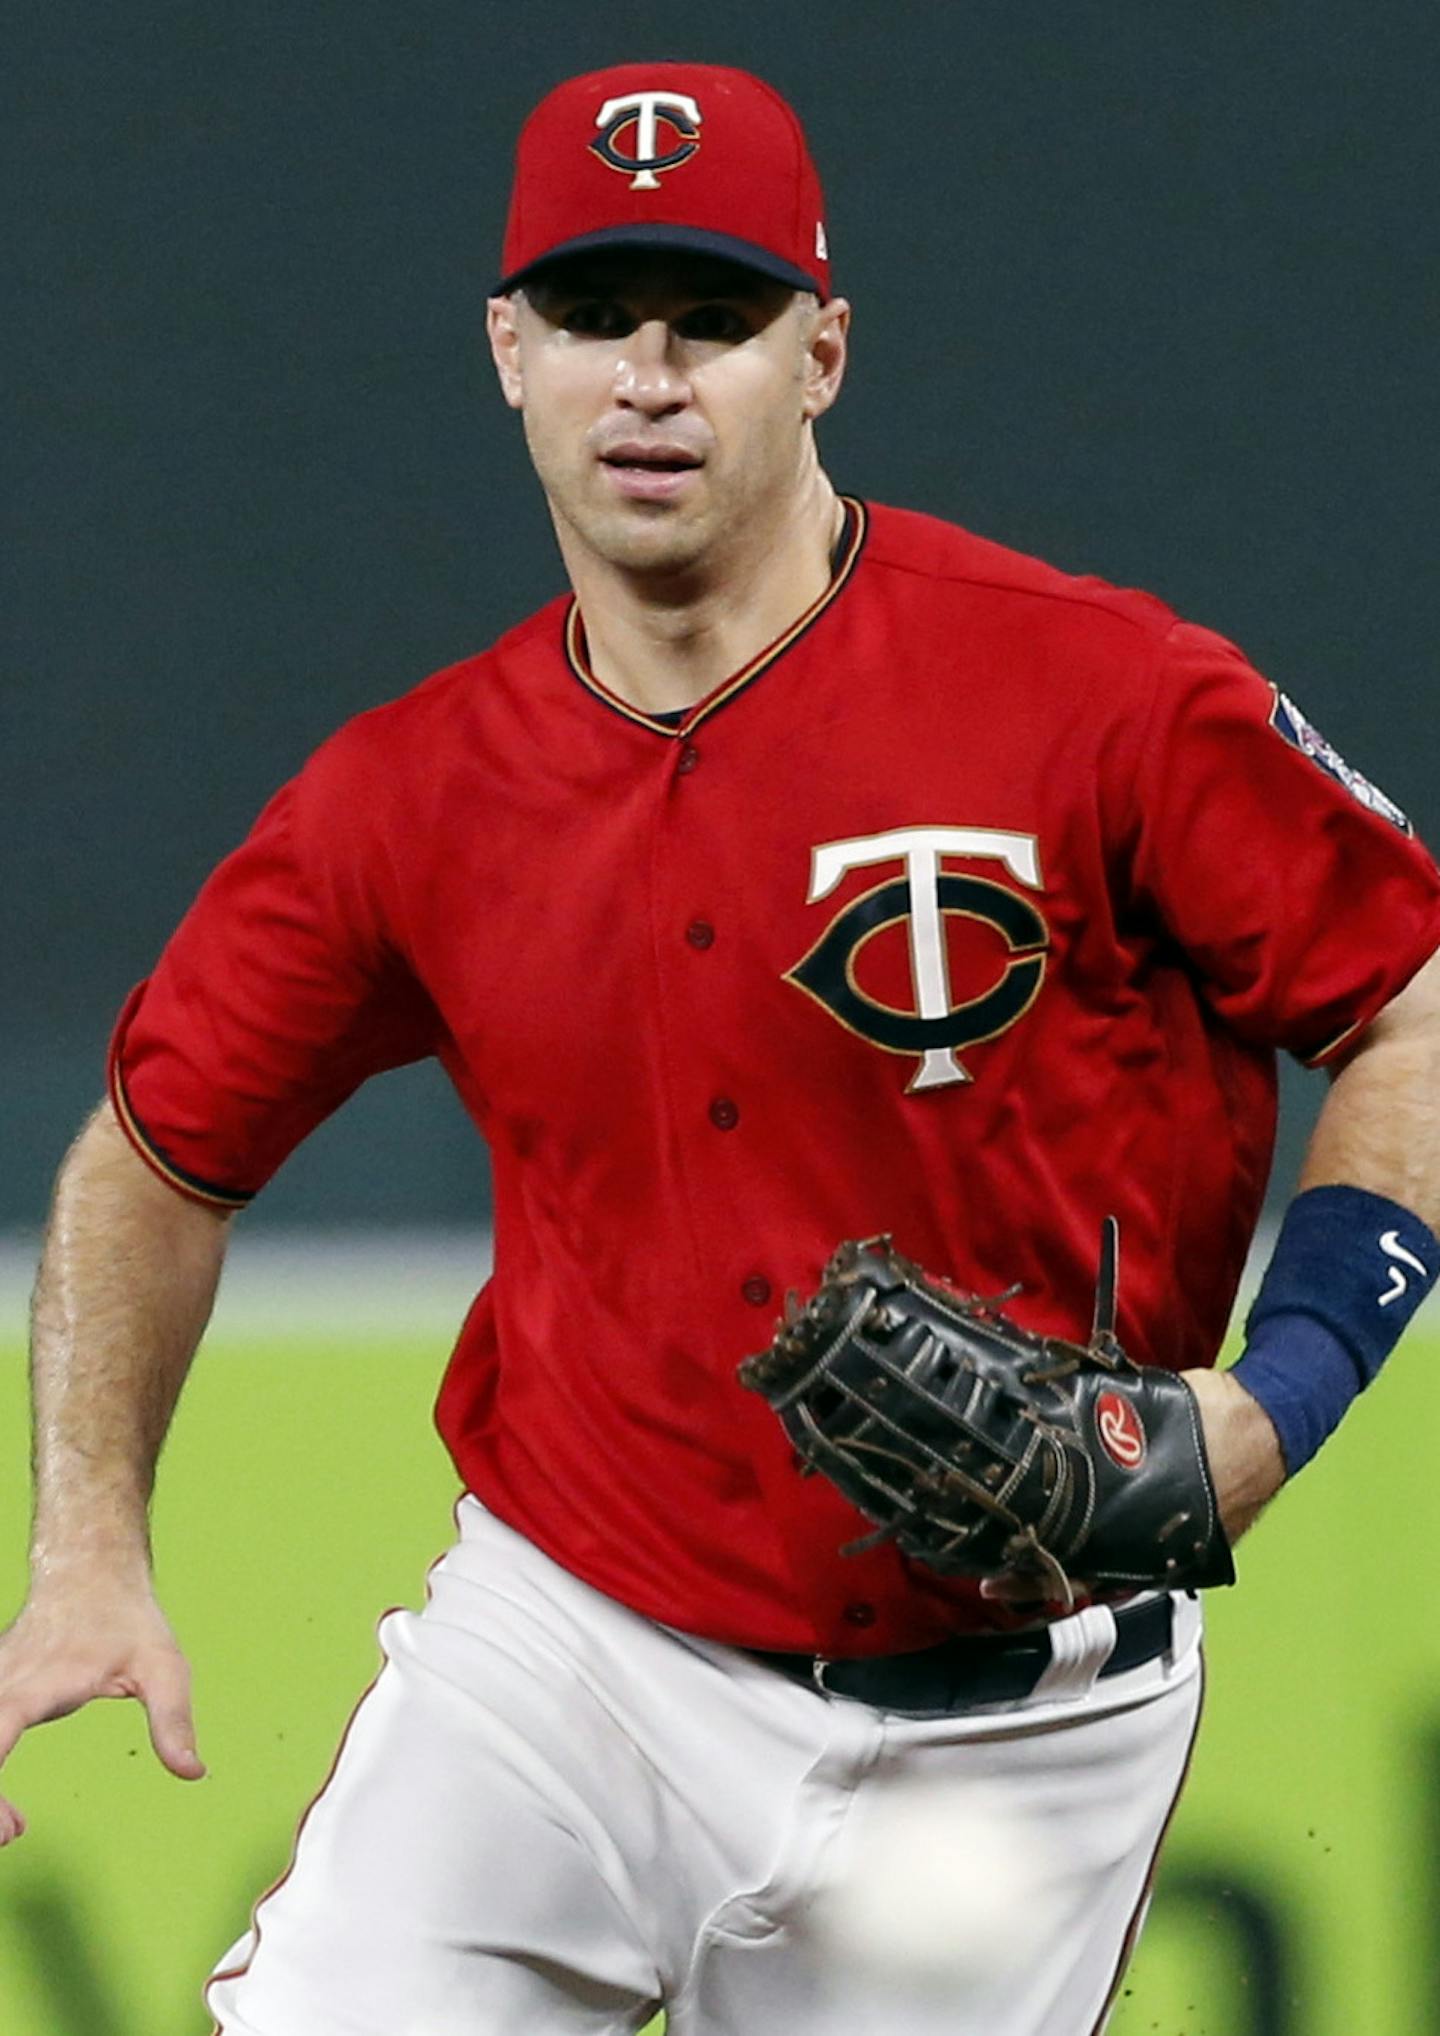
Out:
{"x": 1296, "y": 890}
{"x": 283, "y": 988}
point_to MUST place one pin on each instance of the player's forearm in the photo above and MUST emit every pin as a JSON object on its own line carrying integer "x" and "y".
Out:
{"x": 1380, "y": 1126}
{"x": 125, "y": 1287}
{"x": 1357, "y": 1250}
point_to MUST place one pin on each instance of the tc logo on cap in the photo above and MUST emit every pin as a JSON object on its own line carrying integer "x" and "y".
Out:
{"x": 643, "y": 112}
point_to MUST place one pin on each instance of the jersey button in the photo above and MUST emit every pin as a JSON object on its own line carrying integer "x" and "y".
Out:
{"x": 756, "y": 1290}
{"x": 859, "y": 1614}
{"x": 688, "y": 758}
{"x": 724, "y": 1114}
{"x": 700, "y": 934}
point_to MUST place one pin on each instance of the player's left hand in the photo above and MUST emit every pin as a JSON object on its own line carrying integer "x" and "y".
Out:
{"x": 986, "y": 1449}
{"x": 1246, "y": 1468}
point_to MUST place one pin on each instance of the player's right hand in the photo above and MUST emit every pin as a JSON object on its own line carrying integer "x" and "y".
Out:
{"x": 85, "y": 1637}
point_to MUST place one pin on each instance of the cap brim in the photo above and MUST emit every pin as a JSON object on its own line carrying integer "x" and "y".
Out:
{"x": 691, "y": 239}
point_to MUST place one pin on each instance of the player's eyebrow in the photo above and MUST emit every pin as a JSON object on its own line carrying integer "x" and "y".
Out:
{"x": 671, "y": 284}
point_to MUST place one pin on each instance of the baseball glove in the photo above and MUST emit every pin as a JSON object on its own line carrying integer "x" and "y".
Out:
{"x": 985, "y": 1450}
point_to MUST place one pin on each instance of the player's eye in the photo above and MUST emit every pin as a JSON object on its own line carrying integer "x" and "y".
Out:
{"x": 597, "y": 318}
{"x": 722, "y": 323}
{"x": 713, "y": 323}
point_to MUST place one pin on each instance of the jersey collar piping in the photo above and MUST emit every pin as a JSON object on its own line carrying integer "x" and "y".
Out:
{"x": 852, "y": 543}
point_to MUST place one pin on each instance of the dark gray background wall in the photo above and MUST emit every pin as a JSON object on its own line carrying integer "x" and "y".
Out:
{"x": 1147, "y": 288}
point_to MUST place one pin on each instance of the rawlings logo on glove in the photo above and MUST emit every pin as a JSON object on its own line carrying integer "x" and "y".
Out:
{"x": 985, "y": 1450}
{"x": 1118, "y": 1426}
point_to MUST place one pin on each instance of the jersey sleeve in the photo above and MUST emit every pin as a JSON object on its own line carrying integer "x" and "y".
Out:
{"x": 1296, "y": 890}
{"x": 283, "y": 988}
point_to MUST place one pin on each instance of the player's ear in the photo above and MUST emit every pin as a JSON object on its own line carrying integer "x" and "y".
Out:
{"x": 826, "y": 346}
{"x": 503, "y": 328}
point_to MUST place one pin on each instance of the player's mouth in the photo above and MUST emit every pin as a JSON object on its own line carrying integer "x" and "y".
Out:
{"x": 650, "y": 473}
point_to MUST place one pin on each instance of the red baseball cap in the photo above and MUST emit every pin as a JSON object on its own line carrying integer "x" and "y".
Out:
{"x": 668, "y": 155}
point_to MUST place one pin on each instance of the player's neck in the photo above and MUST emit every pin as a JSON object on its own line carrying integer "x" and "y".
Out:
{"x": 664, "y": 646}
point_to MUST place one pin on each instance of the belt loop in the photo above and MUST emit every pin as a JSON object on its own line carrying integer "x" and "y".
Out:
{"x": 1080, "y": 1646}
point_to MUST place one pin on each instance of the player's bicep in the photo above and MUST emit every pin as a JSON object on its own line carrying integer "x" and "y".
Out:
{"x": 1298, "y": 892}
{"x": 275, "y": 998}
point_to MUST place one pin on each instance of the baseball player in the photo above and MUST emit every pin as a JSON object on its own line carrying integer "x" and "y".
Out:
{"x": 812, "y": 870}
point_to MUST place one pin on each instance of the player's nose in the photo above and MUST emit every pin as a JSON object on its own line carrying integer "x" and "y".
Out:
{"x": 649, "y": 376}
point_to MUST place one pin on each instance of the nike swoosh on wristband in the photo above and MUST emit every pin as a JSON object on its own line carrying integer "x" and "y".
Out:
{"x": 1392, "y": 1247}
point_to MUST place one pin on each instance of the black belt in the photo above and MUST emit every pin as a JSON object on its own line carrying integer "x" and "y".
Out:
{"x": 973, "y": 1668}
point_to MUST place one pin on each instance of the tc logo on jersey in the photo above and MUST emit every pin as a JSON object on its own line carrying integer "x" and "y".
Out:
{"x": 926, "y": 898}
{"x": 1121, "y": 1435}
{"x": 640, "y": 116}
{"x": 1287, "y": 720}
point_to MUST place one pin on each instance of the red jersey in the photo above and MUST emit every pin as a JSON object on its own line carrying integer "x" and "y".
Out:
{"x": 972, "y": 910}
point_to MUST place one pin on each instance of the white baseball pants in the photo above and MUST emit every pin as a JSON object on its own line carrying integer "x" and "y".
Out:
{"x": 551, "y": 1817}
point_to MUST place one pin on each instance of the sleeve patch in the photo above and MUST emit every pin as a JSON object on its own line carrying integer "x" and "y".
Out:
{"x": 1287, "y": 720}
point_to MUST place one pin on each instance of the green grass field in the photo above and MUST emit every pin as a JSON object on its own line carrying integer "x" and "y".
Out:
{"x": 303, "y": 1492}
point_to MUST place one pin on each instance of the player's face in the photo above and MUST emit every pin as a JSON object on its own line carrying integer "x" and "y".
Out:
{"x": 667, "y": 399}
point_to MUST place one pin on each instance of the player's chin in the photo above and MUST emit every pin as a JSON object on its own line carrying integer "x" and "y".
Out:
{"x": 651, "y": 538}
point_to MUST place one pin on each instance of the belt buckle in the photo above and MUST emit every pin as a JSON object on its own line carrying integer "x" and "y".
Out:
{"x": 817, "y": 1673}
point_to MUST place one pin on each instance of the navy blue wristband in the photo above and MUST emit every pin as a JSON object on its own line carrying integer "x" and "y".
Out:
{"x": 1348, "y": 1272}
{"x": 1303, "y": 1377}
